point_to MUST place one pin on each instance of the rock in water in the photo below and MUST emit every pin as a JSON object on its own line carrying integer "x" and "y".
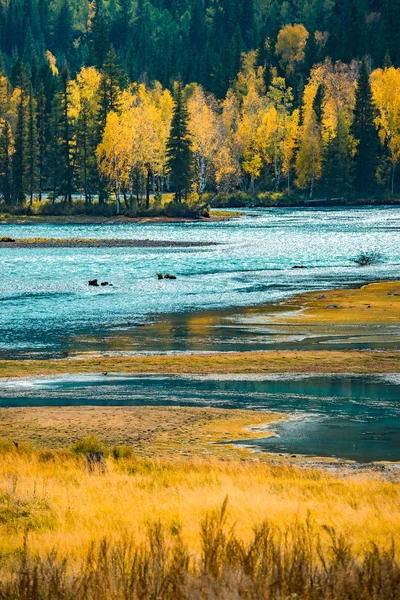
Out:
{"x": 93, "y": 282}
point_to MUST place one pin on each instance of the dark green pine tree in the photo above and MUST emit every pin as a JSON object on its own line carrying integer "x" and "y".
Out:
{"x": 5, "y": 162}
{"x": 54, "y": 150}
{"x": 141, "y": 35}
{"x": 99, "y": 35}
{"x": 41, "y": 136}
{"x": 337, "y": 180}
{"x": 318, "y": 103}
{"x": 365, "y": 134}
{"x": 180, "y": 157}
{"x": 112, "y": 80}
{"x": 32, "y": 145}
{"x": 66, "y": 135}
{"x": 63, "y": 30}
{"x": 20, "y": 139}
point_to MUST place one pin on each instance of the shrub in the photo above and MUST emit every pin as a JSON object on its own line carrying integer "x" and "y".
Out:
{"x": 122, "y": 452}
{"x": 89, "y": 444}
{"x": 184, "y": 210}
{"x": 365, "y": 259}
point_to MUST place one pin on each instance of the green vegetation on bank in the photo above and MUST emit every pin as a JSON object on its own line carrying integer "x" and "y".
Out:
{"x": 167, "y": 208}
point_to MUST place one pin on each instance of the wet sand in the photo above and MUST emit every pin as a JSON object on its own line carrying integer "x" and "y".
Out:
{"x": 182, "y": 433}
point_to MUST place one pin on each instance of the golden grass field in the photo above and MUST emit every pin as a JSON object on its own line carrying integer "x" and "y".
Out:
{"x": 153, "y": 528}
{"x": 51, "y": 495}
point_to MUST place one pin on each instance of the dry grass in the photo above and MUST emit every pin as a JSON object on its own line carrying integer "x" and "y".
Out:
{"x": 292, "y": 562}
{"x": 302, "y": 361}
{"x": 51, "y": 494}
{"x": 376, "y": 303}
{"x": 70, "y": 534}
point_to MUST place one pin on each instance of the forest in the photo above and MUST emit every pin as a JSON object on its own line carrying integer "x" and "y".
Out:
{"x": 120, "y": 103}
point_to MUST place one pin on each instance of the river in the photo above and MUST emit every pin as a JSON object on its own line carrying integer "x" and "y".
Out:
{"x": 47, "y": 307}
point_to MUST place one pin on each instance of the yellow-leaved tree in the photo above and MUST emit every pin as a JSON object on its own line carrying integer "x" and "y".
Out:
{"x": 290, "y": 46}
{"x": 279, "y": 131}
{"x": 250, "y": 92}
{"x": 205, "y": 129}
{"x": 132, "y": 153}
{"x": 385, "y": 84}
{"x": 310, "y": 151}
{"x": 84, "y": 93}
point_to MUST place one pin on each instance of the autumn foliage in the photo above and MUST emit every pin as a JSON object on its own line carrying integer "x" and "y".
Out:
{"x": 109, "y": 140}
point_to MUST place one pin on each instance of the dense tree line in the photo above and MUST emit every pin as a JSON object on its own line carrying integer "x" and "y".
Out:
{"x": 98, "y": 99}
{"x": 198, "y": 40}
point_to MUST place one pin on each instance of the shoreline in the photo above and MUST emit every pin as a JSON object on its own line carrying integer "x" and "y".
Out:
{"x": 115, "y": 220}
{"x": 165, "y": 433}
{"x": 99, "y": 243}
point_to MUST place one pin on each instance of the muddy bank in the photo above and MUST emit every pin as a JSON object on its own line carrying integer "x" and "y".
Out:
{"x": 90, "y": 220}
{"x": 99, "y": 243}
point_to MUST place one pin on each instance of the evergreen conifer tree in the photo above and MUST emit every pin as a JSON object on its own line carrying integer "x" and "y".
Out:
{"x": 41, "y": 135}
{"x": 365, "y": 134}
{"x": 112, "y": 79}
{"x": 32, "y": 145}
{"x": 20, "y": 139}
{"x": 66, "y": 135}
{"x": 63, "y": 30}
{"x": 5, "y": 161}
{"x": 180, "y": 158}
{"x": 318, "y": 104}
{"x": 99, "y": 35}
{"x": 337, "y": 170}
{"x": 54, "y": 166}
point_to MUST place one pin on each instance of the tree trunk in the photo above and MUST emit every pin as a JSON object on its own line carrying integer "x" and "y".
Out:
{"x": 392, "y": 179}
{"x": 148, "y": 189}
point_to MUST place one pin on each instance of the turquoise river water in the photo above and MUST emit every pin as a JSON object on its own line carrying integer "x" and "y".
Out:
{"x": 47, "y": 308}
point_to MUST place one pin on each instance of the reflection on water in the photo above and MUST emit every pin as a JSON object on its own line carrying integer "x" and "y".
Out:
{"x": 47, "y": 308}
{"x": 350, "y": 417}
